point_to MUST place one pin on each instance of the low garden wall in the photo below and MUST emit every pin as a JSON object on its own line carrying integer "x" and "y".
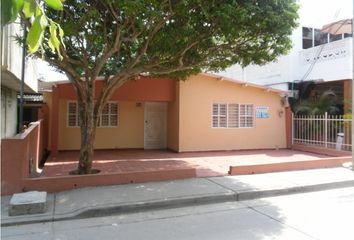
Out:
{"x": 21, "y": 156}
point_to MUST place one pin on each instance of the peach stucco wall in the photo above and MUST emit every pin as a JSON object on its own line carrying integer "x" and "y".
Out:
{"x": 189, "y": 114}
{"x": 128, "y": 134}
{"x": 197, "y": 95}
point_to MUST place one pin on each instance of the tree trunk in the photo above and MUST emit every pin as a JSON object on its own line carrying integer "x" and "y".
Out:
{"x": 88, "y": 123}
{"x": 86, "y": 151}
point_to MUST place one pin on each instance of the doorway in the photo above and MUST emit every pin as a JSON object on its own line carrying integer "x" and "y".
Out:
{"x": 155, "y": 125}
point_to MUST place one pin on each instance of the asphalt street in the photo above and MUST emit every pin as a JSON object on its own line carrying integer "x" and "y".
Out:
{"x": 318, "y": 215}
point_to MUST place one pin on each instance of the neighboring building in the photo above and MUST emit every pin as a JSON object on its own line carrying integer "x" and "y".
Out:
{"x": 319, "y": 57}
{"x": 206, "y": 112}
{"x": 11, "y": 65}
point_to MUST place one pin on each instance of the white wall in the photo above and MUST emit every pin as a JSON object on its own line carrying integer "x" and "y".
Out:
{"x": 11, "y": 66}
{"x": 280, "y": 71}
{"x": 8, "y": 112}
{"x": 293, "y": 66}
{"x": 11, "y": 57}
{"x": 333, "y": 61}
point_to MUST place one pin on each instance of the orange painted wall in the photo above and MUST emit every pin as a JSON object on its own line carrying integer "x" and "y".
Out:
{"x": 130, "y": 131}
{"x": 144, "y": 89}
{"x": 47, "y": 99}
{"x": 288, "y": 126}
{"x": 197, "y": 95}
{"x": 347, "y": 86}
{"x": 20, "y": 157}
{"x": 173, "y": 122}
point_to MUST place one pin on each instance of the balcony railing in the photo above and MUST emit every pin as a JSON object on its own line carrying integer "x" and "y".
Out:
{"x": 328, "y": 51}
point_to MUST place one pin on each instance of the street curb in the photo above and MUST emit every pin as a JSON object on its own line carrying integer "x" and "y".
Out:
{"x": 111, "y": 209}
{"x": 158, "y": 204}
{"x": 250, "y": 195}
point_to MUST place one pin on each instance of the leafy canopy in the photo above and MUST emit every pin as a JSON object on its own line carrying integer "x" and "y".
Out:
{"x": 33, "y": 12}
{"x": 172, "y": 37}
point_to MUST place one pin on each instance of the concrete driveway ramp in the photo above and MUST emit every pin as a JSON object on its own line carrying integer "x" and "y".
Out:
{"x": 28, "y": 203}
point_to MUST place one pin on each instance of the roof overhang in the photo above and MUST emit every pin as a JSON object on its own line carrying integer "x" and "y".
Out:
{"x": 9, "y": 80}
{"x": 244, "y": 83}
{"x": 46, "y": 86}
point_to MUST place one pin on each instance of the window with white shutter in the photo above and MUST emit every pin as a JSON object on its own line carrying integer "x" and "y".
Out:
{"x": 73, "y": 116}
{"x": 232, "y": 115}
{"x": 219, "y": 115}
{"x": 108, "y": 117}
{"x": 246, "y": 115}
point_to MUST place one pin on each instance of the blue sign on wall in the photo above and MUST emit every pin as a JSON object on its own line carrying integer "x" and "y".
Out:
{"x": 262, "y": 112}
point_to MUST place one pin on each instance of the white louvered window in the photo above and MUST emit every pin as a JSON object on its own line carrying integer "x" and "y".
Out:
{"x": 73, "y": 114}
{"x": 108, "y": 118}
{"x": 246, "y": 116}
{"x": 109, "y": 115}
{"x": 219, "y": 115}
{"x": 233, "y": 115}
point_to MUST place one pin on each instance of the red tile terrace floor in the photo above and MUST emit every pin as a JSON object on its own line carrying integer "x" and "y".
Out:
{"x": 206, "y": 163}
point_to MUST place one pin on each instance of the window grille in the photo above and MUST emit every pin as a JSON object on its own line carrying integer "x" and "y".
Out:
{"x": 233, "y": 115}
{"x": 73, "y": 114}
{"x": 108, "y": 117}
{"x": 246, "y": 115}
{"x": 220, "y": 115}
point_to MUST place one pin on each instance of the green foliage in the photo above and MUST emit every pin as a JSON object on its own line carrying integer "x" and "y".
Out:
{"x": 37, "y": 21}
{"x": 55, "y": 4}
{"x": 174, "y": 38}
{"x": 327, "y": 102}
{"x": 35, "y": 35}
{"x": 10, "y": 10}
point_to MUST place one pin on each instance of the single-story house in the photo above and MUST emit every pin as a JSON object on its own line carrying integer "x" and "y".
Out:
{"x": 204, "y": 113}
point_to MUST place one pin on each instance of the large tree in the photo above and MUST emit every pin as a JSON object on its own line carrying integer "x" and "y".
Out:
{"x": 121, "y": 39}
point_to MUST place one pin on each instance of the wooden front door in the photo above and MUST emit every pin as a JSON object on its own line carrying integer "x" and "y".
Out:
{"x": 155, "y": 125}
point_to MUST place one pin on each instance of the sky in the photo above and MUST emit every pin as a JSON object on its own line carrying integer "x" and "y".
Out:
{"x": 313, "y": 13}
{"x": 316, "y": 13}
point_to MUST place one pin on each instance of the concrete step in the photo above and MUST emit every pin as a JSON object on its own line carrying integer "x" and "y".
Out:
{"x": 33, "y": 202}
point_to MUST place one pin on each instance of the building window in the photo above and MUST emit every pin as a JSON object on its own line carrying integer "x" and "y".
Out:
{"x": 246, "y": 115}
{"x": 73, "y": 114}
{"x": 307, "y": 37}
{"x": 108, "y": 118}
{"x": 219, "y": 115}
{"x": 320, "y": 37}
{"x": 312, "y": 37}
{"x": 109, "y": 115}
{"x": 233, "y": 115}
{"x": 335, "y": 37}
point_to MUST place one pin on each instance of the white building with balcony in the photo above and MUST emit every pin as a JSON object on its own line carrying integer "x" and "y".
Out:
{"x": 11, "y": 66}
{"x": 316, "y": 56}
{"x": 324, "y": 59}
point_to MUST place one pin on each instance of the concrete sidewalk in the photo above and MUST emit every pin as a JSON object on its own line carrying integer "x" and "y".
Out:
{"x": 108, "y": 200}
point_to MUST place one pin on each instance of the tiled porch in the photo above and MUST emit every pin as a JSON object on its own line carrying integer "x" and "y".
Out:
{"x": 206, "y": 163}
